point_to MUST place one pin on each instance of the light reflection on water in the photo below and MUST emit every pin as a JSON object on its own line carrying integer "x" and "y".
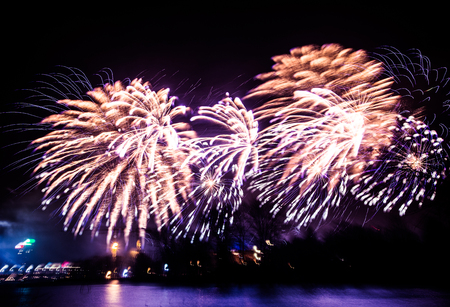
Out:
{"x": 115, "y": 294}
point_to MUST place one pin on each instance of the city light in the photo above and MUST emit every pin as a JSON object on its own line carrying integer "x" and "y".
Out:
{"x": 114, "y": 249}
{"x": 125, "y": 273}
{"x": 27, "y": 242}
{"x": 256, "y": 253}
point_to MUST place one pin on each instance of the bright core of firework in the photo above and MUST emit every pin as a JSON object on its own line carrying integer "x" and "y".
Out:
{"x": 210, "y": 184}
{"x": 415, "y": 162}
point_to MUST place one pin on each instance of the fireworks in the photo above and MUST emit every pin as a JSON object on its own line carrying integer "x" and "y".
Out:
{"x": 330, "y": 133}
{"x": 328, "y": 67}
{"x": 221, "y": 162}
{"x": 310, "y": 155}
{"x": 116, "y": 155}
{"x": 409, "y": 171}
{"x": 317, "y": 139}
{"x": 233, "y": 150}
{"x": 423, "y": 89}
{"x": 211, "y": 204}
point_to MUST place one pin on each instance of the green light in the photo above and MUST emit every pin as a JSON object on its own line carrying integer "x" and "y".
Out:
{"x": 29, "y": 241}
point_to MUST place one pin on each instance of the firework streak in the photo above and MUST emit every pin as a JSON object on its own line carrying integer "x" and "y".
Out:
{"x": 335, "y": 128}
{"x": 117, "y": 155}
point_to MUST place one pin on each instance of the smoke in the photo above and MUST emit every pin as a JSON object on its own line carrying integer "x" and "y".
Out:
{"x": 20, "y": 219}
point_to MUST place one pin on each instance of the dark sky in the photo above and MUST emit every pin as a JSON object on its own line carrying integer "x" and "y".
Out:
{"x": 218, "y": 46}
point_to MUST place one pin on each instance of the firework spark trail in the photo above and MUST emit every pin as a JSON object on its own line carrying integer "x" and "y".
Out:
{"x": 310, "y": 155}
{"x": 329, "y": 67}
{"x": 424, "y": 90}
{"x": 211, "y": 204}
{"x": 111, "y": 152}
{"x": 356, "y": 101}
{"x": 318, "y": 140}
{"x": 331, "y": 132}
{"x": 314, "y": 148}
{"x": 331, "y": 124}
{"x": 410, "y": 171}
{"x": 221, "y": 162}
{"x": 233, "y": 151}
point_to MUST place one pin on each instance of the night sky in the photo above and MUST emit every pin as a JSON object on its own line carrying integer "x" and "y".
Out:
{"x": 200, "y": 51}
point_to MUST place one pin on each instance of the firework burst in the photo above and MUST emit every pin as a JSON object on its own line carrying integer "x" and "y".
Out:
{"x": 424, "y": 90}
{"x": 409, "y": 172}
{"x": 328, "y": 67}
{"x": 233, "y": 151}
{"x": 211, "y": 204}
{"x": 334, "y": 135}
{"x": 318, "y": 144}
{"x": 221, "y": 163}
{"x": 118, "y": 154}
{"x": 320, "y": 139}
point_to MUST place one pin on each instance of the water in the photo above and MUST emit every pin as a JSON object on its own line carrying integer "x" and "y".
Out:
{"x": 127, "y": 294}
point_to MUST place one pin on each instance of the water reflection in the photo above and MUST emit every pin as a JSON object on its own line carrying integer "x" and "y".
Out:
{"x": 112, "y": 294}
{"x": 24, "y": 297}
{"x": 115, "y": 294}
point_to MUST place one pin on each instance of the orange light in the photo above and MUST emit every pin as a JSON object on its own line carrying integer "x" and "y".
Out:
{"x": 114, "y": 249}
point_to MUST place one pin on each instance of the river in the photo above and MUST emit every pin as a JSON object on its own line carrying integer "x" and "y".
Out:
{"x": 115, "y": 293}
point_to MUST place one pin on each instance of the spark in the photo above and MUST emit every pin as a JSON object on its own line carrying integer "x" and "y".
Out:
{"x": 116, "y": 155}
{"x": 319, "y": 141}
{"x": 423, "y": 89}
{"x": 233, "y": 150}
{"x": 210, "y": 206}
{"x": 334, "y": 129}
{"x": 410, "y": 171}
